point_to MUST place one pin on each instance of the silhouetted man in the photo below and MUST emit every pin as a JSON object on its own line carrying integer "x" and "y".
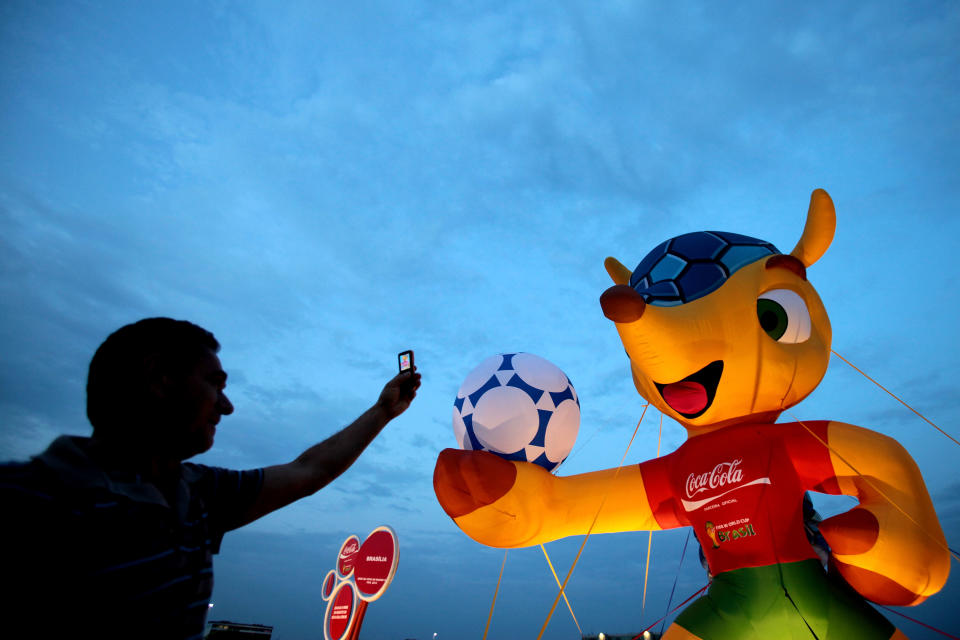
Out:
{"x": 114, "y": 535}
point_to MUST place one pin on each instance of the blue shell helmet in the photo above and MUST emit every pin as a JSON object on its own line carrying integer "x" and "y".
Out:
{"x": 692, "y": 265}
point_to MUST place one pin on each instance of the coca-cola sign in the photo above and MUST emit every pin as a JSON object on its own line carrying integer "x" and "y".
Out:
{"x": 725, "y": 473}
{"x": 376, "y": 563}
{"x": 328, "y": 584}
{"x": 341, "y": 611}
{"x": 347, "y": 557}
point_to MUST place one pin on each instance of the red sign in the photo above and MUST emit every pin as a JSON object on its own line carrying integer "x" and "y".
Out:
{"x": 376, "y": 563}
{"x": 341, "y": 611}
{"x": 328, "y": 584}
{"x": 347, "y": 557}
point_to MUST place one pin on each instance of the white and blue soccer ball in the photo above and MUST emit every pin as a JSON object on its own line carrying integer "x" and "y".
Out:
{"x": 520, "y": 407}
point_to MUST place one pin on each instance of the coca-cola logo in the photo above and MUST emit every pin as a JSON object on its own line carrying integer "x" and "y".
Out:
{"x": 349, "y": 549}
{"x": 725, "y": 473}
{"x": 348, "y": 556}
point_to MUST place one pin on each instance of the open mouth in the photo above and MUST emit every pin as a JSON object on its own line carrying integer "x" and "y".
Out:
{"x": 694, "y": 394}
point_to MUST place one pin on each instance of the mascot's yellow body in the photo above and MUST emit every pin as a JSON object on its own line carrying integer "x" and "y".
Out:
{"x": 725, "y": 352}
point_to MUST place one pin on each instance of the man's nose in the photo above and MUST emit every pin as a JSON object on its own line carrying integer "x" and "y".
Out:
{"x": 226, "y": 407}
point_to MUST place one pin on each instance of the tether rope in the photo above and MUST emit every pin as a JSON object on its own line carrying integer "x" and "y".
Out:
{"x": 646, "y": 571}
{"x": 691, "y": 597}
{"x": 590, "y": 530}
{"x": 895, "y": 397}
{"x": 674, "y": 587}
{"x": 494, "y": 603}
{"x": 875, "y": 488}
{"x": 585, "y": 442}
{"x": 924, "y": 624}
{"x": 557, "y": 578}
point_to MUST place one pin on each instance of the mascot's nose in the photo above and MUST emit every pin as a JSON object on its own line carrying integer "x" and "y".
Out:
{"x": 621, "y": 303}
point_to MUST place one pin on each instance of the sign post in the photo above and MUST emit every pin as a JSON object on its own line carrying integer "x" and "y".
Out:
{"x": 341, "y": 615}
{"x": 375, "y": 568}
{"x": 363, "y": 573}
{"x": 328, "y": 585}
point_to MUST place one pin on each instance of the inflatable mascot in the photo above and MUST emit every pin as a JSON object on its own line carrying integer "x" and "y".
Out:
{"x": 724, "y": 333}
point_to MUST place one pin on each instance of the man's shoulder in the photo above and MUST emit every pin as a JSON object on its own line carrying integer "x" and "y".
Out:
{"x": 17, "y": 473}
{"x": 221, "y": 486}
{"x": 16, "y": 468}
{"x": 195, "y": 473}
{"x": 28, "y": 486}
{"x": 60, "y": 469}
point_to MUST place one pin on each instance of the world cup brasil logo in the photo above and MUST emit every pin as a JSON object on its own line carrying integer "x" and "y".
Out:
{"x": 712, "y": 532}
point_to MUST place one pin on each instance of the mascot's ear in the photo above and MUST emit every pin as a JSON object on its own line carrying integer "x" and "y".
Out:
{"x": 618, "y": 273}
{"x": 818, "y": 232}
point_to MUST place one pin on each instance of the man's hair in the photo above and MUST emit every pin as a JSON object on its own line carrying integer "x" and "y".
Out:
{"x": 130, "y": 359}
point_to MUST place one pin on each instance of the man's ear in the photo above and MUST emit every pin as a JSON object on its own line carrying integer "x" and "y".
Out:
{"x": 156, "y": 381}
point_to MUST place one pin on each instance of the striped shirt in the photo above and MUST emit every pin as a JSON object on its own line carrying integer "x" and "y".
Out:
{"x": 103, "y": 553}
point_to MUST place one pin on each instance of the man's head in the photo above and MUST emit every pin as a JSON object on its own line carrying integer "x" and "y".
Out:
{"x": 157, "y": 383}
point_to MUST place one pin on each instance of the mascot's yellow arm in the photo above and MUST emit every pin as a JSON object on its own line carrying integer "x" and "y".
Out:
{"x": 890, "y": 548}
{"x": 536, "y": 507}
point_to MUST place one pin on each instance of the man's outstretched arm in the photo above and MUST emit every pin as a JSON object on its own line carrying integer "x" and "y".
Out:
{"x": 322, "y": 463}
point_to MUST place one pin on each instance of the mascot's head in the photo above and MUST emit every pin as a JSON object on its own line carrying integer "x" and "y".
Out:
{"x": 722, "y": 328}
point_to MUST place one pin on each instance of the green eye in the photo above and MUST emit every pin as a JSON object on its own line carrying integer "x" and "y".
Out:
{"x": 773, "y": 318}
{"x": 783, "y": 315}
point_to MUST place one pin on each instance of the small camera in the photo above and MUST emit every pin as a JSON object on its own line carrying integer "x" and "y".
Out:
{"x": 405, "y": 359}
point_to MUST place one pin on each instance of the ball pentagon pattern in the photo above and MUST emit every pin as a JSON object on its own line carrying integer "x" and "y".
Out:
{"x": 520, "y": 407}
{"x": 693, "y": 265}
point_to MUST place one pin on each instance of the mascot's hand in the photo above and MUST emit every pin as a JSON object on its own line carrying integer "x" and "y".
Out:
{"x": 496, "y": 502}
{"x": 885, "y": 556}
{"x": 891, "y": 548}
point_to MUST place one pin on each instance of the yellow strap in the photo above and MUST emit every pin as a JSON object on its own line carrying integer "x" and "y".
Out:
{"x": 492, "y": 604}
{"x": 592, "y": 524}
{"x": 879, "y": 492}
{"x": 557, "y": 578}
{"x": 895, "y": 397}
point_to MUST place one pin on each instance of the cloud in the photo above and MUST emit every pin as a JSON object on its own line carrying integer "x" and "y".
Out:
{"x": 947, "y": 500}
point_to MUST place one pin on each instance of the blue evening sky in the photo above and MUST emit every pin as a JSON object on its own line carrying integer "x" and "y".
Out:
{"x": 325, "y": 184}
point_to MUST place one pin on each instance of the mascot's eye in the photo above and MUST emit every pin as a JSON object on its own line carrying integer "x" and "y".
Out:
{"x": 783, "y": 315}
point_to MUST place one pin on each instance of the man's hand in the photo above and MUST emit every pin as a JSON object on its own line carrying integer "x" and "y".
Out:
{"x": 399, "y": 393}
